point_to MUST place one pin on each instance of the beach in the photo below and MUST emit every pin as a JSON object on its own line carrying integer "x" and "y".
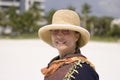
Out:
{"x": 22, "y": 59}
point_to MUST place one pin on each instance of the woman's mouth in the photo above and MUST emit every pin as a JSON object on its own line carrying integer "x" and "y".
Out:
{"x": 60, "y": 42}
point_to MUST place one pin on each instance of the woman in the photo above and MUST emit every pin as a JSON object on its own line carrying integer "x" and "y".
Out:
{"x": 66, "y": 35}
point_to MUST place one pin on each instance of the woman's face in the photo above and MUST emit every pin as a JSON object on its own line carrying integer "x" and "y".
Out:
{"x": 64, "y": 40}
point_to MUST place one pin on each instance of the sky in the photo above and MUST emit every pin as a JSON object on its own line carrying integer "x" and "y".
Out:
{"x": 98, "y": 7}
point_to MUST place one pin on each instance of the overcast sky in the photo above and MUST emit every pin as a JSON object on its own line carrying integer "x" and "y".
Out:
{"x": 98, "y": 7}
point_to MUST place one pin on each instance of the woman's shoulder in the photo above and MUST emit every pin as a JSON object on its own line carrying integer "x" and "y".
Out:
{"x": 81, "y": 71}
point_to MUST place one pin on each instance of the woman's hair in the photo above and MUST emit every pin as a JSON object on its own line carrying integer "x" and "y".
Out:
{"x": 77, "y": 43}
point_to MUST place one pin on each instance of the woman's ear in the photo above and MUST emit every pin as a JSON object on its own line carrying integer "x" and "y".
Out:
{"x": 77, "y": 36}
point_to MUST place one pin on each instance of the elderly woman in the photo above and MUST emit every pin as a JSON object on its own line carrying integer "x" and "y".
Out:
{"x": 66, "y": 35}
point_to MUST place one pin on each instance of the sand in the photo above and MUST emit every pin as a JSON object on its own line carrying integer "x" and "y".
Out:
{"x": 23, "y": 59}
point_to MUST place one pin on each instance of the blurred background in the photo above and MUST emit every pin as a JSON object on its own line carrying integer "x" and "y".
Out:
{"x": 23, "y": 17}
{"x": 22, "y": 54}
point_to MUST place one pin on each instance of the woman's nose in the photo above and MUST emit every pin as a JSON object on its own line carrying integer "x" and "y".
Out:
{"x": 59, "y": 34}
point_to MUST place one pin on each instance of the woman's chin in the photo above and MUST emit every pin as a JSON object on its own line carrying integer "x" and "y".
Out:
{"x": 62, "y": 48}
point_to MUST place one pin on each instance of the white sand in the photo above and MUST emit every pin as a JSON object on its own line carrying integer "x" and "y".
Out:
{"x": 23, "y": 59}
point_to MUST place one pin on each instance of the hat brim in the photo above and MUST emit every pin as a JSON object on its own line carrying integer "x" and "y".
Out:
{"x": 44, "y": 33}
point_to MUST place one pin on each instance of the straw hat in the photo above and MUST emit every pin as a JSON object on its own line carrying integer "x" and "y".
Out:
{"x": 64, "y": 19}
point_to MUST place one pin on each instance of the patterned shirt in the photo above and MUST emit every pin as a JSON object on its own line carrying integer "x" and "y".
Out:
{"x": 79, "y": 69}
